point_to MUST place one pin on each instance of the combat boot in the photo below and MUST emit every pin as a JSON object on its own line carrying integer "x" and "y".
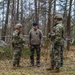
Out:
{"x": 18, "y": 65}
{"x": 38, "y": 65}
{"x": 55, "y": 70}
{"x": 31, "y": 65}
{"x": 13, "y": 67}
{"x": 50, "y": 68}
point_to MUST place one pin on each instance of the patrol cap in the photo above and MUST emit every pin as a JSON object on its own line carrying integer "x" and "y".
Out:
{"x": 35, "y": 24}
{"x": 18, "y": 25}
{"x": 58, "y": 16}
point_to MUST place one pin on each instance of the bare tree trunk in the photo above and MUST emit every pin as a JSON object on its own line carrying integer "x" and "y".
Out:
{"x": 36, "y": 13}
{"x": 65, "y": 20}
{"x": 54, "y": 11}
{"x": 45, "y": 26}
{"x": 21, "y": 10}
{"x": 49, "y": 17}
{"x": 15, "y": 15}
{"x": 74, "y": 20}
{"x": 68, "y": 26}
{"x": 29, "y": 8}
{"x": 38, "y": 10}
{"x": 6, "y": 21}
{"x": 54, "y": 6}
{"x": 17, "y": 10}
{"x": 3, "y": 21}
{"x": 11, "y": 24}
{"x": 23, "y": 26}
{"x": 65, "y": 9}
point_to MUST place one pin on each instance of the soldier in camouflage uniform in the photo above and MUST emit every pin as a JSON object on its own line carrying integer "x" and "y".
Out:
{"x": 56, "y": 52}
{"x": 35, "y": 40}
{"x": 17, "y": 43}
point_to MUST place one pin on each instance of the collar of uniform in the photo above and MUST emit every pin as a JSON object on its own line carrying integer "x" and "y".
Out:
{"x": 16, "y": 30}
{"x": 34, "y": 29}
{"x": 59, "y": 22}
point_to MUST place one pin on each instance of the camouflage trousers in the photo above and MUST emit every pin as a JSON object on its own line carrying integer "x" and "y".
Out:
{"x": 16, "y": 56}
{"x": 32, "y": 50}
{"x": 56, "y": 55}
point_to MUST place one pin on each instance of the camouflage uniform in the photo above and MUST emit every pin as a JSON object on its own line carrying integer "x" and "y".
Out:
{"x": 17, "y": 43}
{"x": 56, "y": 52}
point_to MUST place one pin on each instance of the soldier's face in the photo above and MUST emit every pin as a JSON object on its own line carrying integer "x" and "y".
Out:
{"x": 20, "y": 29}
{"x": 55, "y": 20}
{"x": 35, "y": 27}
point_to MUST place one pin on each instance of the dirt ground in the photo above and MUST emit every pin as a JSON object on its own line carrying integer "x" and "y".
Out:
{"x": 67, "y": 69}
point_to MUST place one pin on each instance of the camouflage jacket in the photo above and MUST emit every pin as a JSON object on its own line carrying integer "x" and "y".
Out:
{"x": 17, "y": 40}
{"x": 57, "y": 34}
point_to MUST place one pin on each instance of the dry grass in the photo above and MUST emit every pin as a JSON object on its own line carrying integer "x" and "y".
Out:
{"x": 67, "y": 69}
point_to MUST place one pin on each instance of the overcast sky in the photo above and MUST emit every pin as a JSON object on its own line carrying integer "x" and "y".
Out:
{"x": 0, "y": 0}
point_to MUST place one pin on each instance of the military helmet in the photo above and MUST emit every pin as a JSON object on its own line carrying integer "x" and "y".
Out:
{"x": 58, "y": 16}
{"x": 18, "y": 25}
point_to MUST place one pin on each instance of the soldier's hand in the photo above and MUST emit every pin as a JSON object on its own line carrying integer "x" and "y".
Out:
{"x": 52, "y": 34}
